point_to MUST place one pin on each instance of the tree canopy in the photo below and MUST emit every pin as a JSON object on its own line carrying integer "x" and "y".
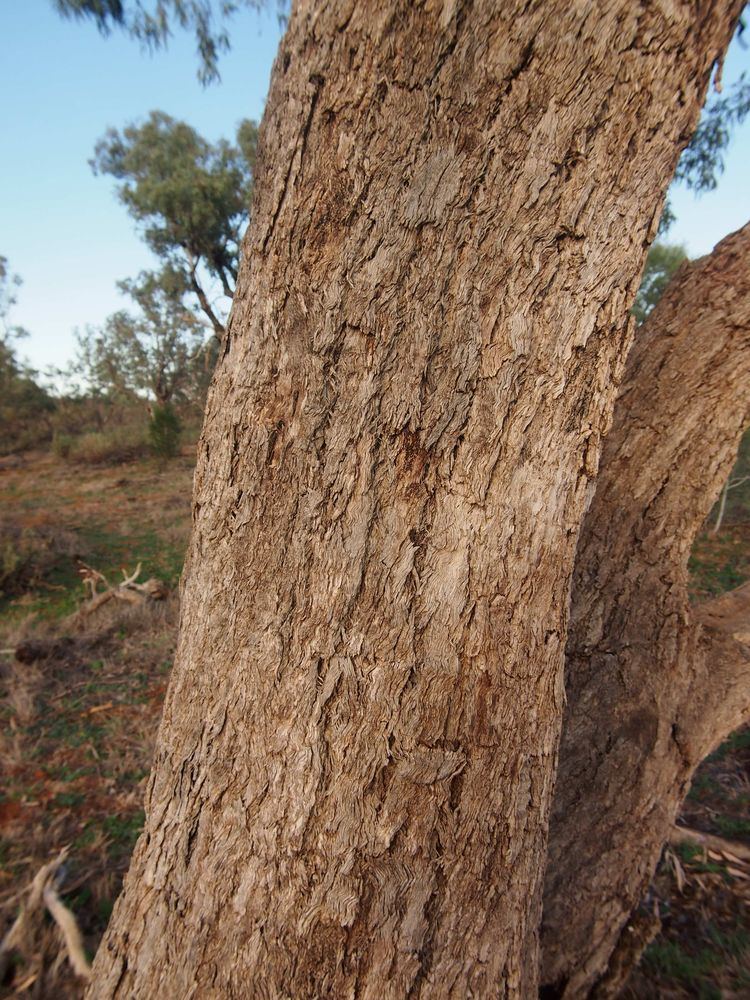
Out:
{"x": 190, "y": 197}
{"x": 153, "y": 23}
{"x": 23, "y": 402}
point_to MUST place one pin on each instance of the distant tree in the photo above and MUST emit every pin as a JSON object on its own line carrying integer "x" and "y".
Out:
{"x": 24, "y": 405}
{"x": 158, "y": 352}
{"x": 153, "y": 23}
{"x": 9, "y": 284}
{"x": 661, "y": 264}
{"x": 190, "y": 197}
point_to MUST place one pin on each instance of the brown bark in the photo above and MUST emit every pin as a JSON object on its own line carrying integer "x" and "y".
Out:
{"x": 352, "y": 779}
{"x": 652, "y": 685}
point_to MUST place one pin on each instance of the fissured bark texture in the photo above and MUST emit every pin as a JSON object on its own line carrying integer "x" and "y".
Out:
{"x": 352, "y": 780}
{"x": 652, "y": 685}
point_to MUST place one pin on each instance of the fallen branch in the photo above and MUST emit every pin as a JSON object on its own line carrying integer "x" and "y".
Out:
{"x": 128, "y": 590}
{"x": 43, "y": 893}
{"x": 70, "y": 932}
{"x": 735, "y": 850}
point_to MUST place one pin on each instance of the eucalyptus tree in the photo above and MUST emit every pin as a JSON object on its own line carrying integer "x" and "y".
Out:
{"x": 157, "y": 351}
{"x": 353, "y": 779}
{"x": 153, "y": 22}
{"x": 189, "y": 197}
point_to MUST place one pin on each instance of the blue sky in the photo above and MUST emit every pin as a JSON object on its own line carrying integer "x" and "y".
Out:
{"x": 64, "y": 231}
{"x": 61, "y": 228}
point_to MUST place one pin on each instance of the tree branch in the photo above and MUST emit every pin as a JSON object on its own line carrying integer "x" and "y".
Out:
{"x": 218, "y": 327}
{"x": 718, "y": 699}
{"x": 652, "y": 685}
{"x": 227, "y": 288}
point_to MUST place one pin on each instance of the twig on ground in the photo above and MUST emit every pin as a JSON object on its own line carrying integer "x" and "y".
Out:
{"x": 71, "y": 934}
{"x": 683, "y": 834}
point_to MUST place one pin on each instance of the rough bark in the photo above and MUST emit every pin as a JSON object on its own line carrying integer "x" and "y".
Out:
{"x": 652, "y": 685}
{"x": 352, "y": 779}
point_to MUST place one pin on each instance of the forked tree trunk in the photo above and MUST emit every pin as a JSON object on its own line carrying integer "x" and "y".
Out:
{"x": 652, "y": 685}
{"x": 352, "y": 779}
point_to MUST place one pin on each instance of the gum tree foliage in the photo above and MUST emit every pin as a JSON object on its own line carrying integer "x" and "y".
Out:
{"x": 189, "y": 197}
{"x": 9, "y": 285}
{"x": 158, "y": 352}
{"x": 700, "y": 166}
{"x": 153, "y": 23}
{"x": 702, "y": 160}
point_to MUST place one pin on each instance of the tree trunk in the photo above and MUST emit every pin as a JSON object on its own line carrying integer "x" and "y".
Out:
{"x": 352, "y": 780}
{"x": 652, "y": 685}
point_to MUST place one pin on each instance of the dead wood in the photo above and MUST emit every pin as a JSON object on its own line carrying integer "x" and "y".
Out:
{"x": 26, "y": 929}
{"x": 732, "y": 850}
{"x": 128, "y": 591}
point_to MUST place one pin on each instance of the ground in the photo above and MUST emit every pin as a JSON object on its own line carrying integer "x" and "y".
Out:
{"x": 80, "y": 713}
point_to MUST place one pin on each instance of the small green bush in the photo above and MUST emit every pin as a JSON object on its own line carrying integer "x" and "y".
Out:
{"x": 62, "y": 444}
{"x": 164, "y": 430}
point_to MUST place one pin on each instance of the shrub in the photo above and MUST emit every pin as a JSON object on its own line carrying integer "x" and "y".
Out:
{"x": 61, "y": 444}
{"x": 123, "y": 444}
{"x": 25, "y": 407}
{"x": 164, "y": 432}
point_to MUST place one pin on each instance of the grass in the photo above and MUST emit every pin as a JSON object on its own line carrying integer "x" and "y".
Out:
{"x": 712, "y": 964}
{"x": 107, "y": 519}
{"x": 733, "y": 827}
{"x": 671, "y": 960}
{"x": 718, "y": 564}
{"x": 76, "y": 729}
{"x": 75, "y": 762}
{"x": 703, "y": 949}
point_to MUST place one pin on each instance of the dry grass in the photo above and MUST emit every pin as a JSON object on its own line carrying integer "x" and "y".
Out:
{"x": 79, "y": 716}
{"x": 81, "y": 724}
{"x": 703, "y": 897}
{"x": 110, "y": 447}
